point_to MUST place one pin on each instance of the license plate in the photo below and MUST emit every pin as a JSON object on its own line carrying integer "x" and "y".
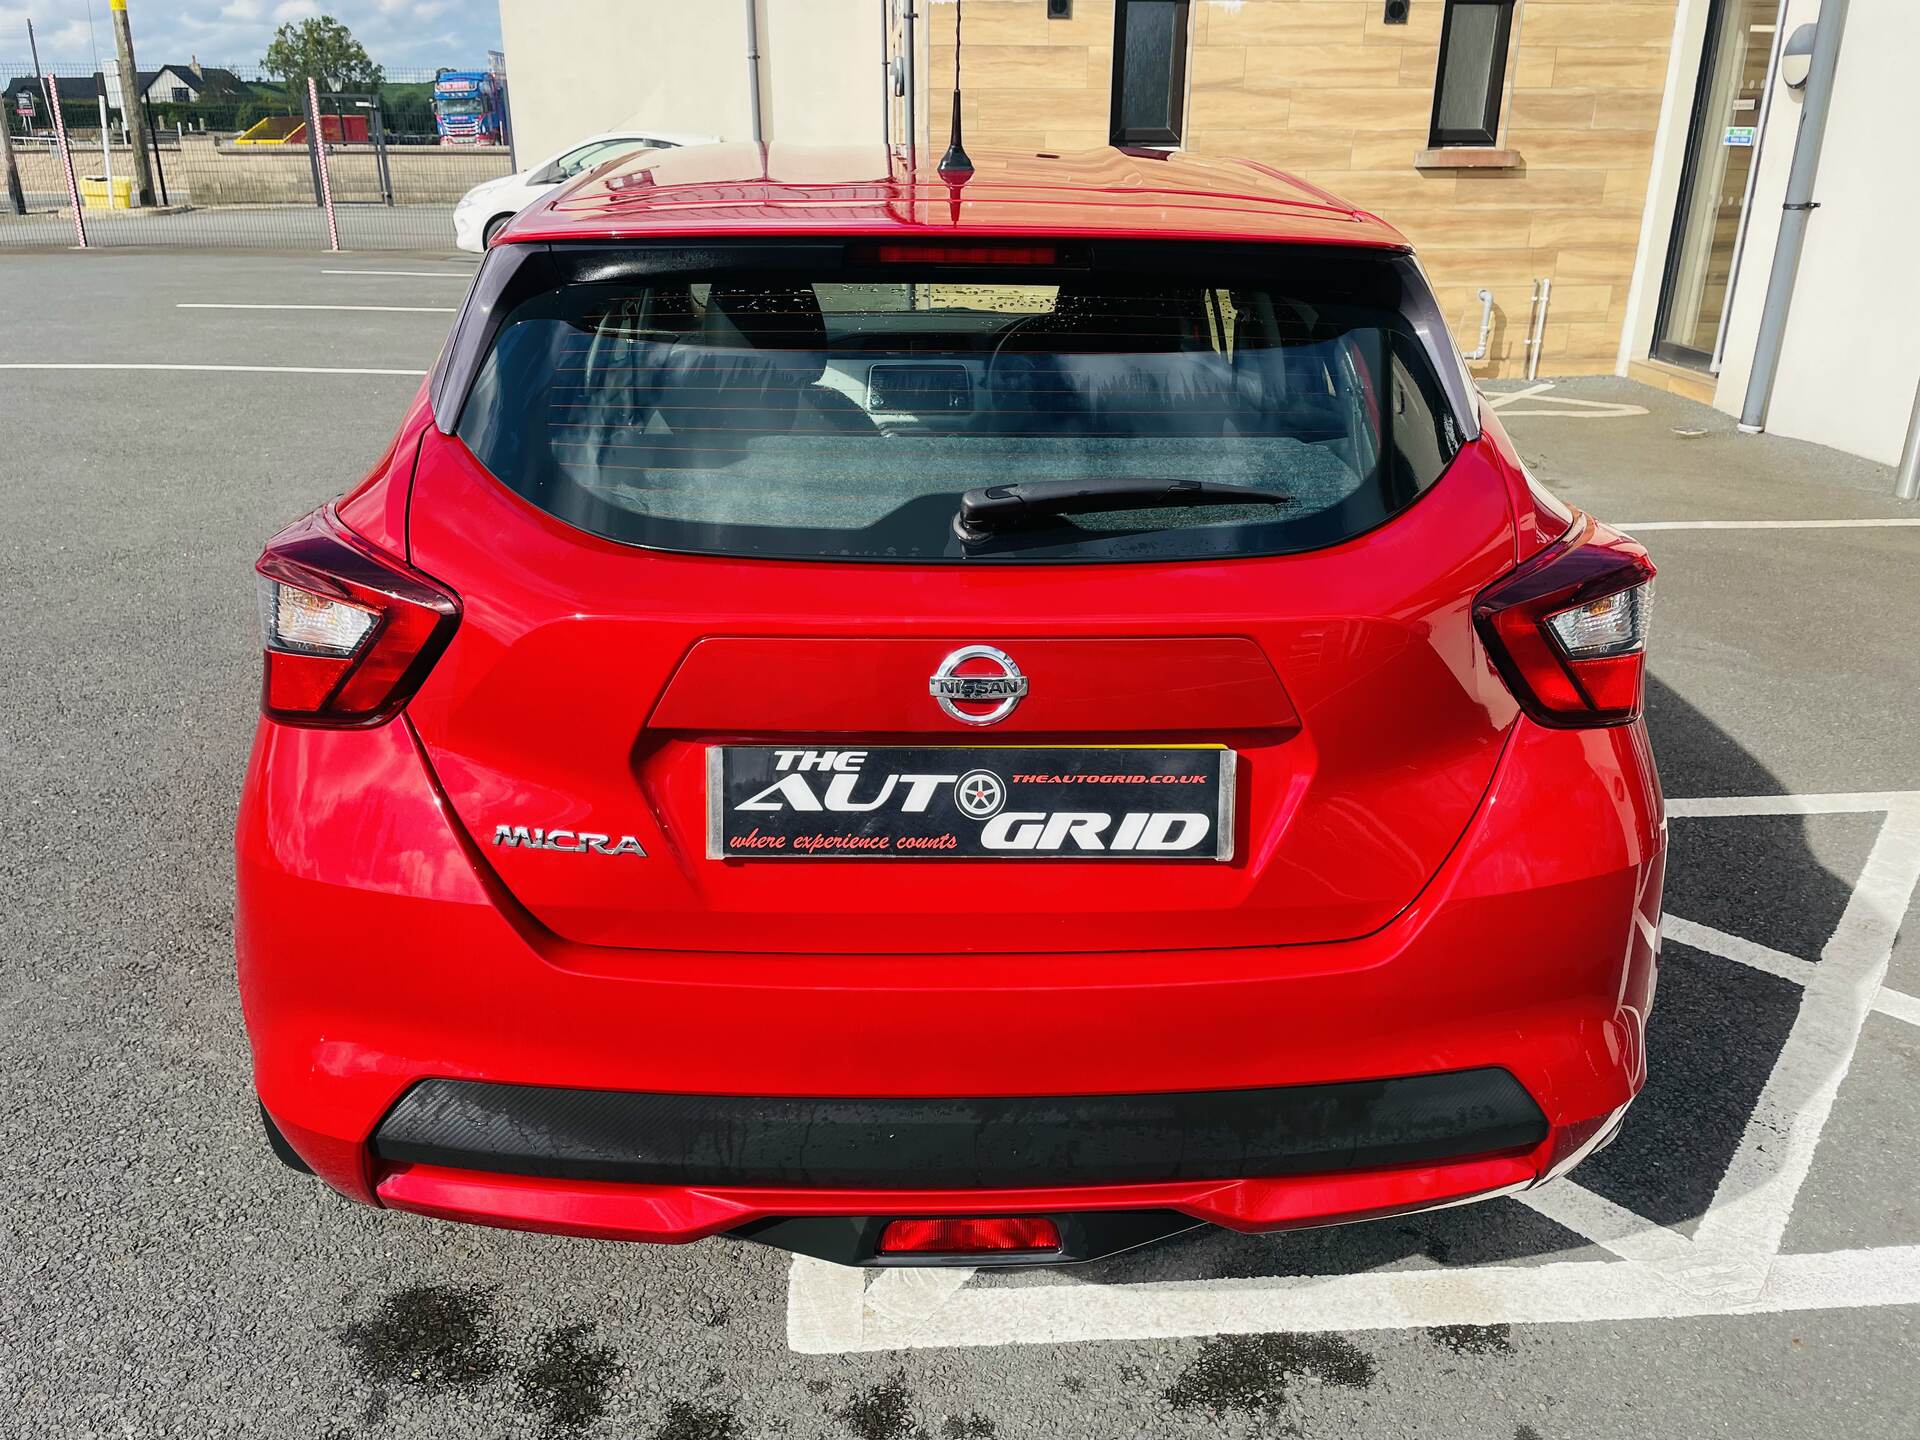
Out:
{"x": 970, "y": 802}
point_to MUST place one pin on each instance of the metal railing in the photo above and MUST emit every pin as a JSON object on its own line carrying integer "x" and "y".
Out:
{"x": 261, "y": 169}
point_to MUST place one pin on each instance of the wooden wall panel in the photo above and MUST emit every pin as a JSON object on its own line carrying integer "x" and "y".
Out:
{"x": 1325, "y": 89}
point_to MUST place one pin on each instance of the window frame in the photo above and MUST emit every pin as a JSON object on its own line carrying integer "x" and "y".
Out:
{"x": 513, "y": 275}
{"x": 576, "y": 161}
{"x": 1161, "y": 136}
{"x": 1487, "y": 135}
{"x": 510, "y": 274}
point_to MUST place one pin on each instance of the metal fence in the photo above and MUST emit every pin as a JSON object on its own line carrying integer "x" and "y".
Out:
{"x": 247, "y": 163}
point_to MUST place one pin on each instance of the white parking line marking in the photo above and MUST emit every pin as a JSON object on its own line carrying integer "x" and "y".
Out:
{"x": 826, "y": 1306}
{"x": 903, "y": 1300}
{"x": 1612, "y": 1227}
{"x": 222, "y": 369}
{"x": 1749, "y": 1212}
{"x": 1735, "y": 947}
{"x": 1836, "y": 804}
{"x": 1552, "y": 404}
{"x": 409, "y": 274}
{"x": 1496, "y": 399}
{"x": 1567, "y": 1292}
{"x": 1619, "y": 412}
{"x": 1888, "y": 522}
{"x": 1900, "y": 1006}
{"x": 385, "y": 309}
{"x": 1775, "y": 962}
{"x": 1732, "y": 1266}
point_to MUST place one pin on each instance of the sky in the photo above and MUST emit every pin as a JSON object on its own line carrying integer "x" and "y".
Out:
{"x": 399, "y": 34}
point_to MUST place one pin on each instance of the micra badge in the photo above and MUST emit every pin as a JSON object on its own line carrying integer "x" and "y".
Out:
{"x": 564, "y": 842}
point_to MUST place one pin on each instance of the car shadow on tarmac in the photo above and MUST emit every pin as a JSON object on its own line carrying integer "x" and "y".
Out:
{"x": 1715, "y": 1036}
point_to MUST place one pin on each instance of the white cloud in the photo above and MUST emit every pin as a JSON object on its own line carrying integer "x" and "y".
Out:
{"x": 290, "y": 10}
{"x": 74, "y": 38}
{"x": 241, "y": 10}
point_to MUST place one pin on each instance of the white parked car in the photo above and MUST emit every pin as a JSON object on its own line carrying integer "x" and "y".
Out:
{"x": 489, "y": 205}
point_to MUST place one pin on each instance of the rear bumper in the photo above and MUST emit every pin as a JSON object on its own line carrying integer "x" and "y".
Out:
{"x": 376, "y": 953}
{"x": 822, "y": 1176}
{"x": 671, "y": 1214}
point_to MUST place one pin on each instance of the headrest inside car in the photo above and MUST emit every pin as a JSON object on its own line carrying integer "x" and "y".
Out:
{"x": 765, "y": 317}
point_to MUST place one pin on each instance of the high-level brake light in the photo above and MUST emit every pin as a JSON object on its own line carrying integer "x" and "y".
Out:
{"x": 349, "y": 633}
{"x": 937, "y": 254}
{"x": 1568, "y": 629}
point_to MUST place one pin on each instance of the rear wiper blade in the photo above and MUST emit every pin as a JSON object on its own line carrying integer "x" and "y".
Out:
{"x": 994, "y": 509}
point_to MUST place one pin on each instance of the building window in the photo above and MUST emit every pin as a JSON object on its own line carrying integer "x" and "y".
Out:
{"x": 1149, "y": 71}
{"x": 1473, "y": 72}
{"x": 181, "y": 95}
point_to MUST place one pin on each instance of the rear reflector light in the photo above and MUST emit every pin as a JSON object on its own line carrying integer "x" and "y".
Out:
{"x": 970, "y": 1236}
{"x": 1568, "y": 629}
{"x": 349, "y": 633}
{"x": 1600, "y": 629}
{"x": 300, "y": 623}
{"x": 964, "y": 254}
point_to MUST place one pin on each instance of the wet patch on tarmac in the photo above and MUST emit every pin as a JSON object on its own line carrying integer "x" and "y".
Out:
{"x": 568, "y": 1378}
{"x": 969, "y": 1427}
{"x": 881, "y": 1412}
{"x": 686, "y": 1421}
{"x": 1473, "y": 1339}
{"x": 1251, "y": 1374}
{"x": 433, "y": 1337}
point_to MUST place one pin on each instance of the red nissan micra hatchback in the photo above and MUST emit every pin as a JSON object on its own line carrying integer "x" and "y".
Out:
{"x": 977, "y": 719}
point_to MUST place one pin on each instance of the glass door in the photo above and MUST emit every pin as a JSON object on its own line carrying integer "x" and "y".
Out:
{"x": 1713, "y": 184}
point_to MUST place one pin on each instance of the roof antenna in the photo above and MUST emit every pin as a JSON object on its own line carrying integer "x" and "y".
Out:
{"x": 955, "y": 165}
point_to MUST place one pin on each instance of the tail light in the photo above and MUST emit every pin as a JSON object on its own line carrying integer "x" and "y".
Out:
{"x": 1568, "y": 629}
{"x": 349, "y": 632}
{"x": 969, "y": 1236}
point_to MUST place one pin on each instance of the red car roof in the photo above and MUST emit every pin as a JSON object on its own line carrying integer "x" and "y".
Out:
{"x": 743, "y": 188}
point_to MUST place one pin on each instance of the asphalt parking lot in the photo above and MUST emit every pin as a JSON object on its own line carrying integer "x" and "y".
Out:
{"x": 1745, "y": 1261}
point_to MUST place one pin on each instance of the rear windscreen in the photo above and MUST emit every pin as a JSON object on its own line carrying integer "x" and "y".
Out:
{"x": 830, "y": 404}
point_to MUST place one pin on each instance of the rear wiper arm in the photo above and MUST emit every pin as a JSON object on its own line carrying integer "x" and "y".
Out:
{"x": 994, "y": 509}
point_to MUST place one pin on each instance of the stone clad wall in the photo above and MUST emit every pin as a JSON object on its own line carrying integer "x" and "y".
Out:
{"x": 203, "y": 171}
{"x": 1326, "y": 89}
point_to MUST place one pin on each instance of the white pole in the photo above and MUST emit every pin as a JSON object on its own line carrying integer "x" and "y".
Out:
{"x": 106, "y": 148}
{"x": 753, "y": 72}
{"x": 1771, "y": 341}
{"x": 1906, "y": 481}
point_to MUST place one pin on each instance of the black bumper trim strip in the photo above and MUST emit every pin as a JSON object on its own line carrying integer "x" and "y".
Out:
{"x": 976, "y": 1143}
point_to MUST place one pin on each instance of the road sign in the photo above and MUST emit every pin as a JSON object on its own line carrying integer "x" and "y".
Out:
{"x": 24, "y": 102}
{"x": 110, "y": 72}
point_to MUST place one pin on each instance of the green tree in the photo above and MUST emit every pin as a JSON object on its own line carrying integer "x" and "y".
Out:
{"x": 325, "y": 49}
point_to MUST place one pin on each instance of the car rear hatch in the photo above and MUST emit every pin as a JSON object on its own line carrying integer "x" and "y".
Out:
{"x": 723, "y": 662}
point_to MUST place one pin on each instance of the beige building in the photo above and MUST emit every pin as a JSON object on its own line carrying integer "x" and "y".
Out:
{"x": 1609, "y": 172}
